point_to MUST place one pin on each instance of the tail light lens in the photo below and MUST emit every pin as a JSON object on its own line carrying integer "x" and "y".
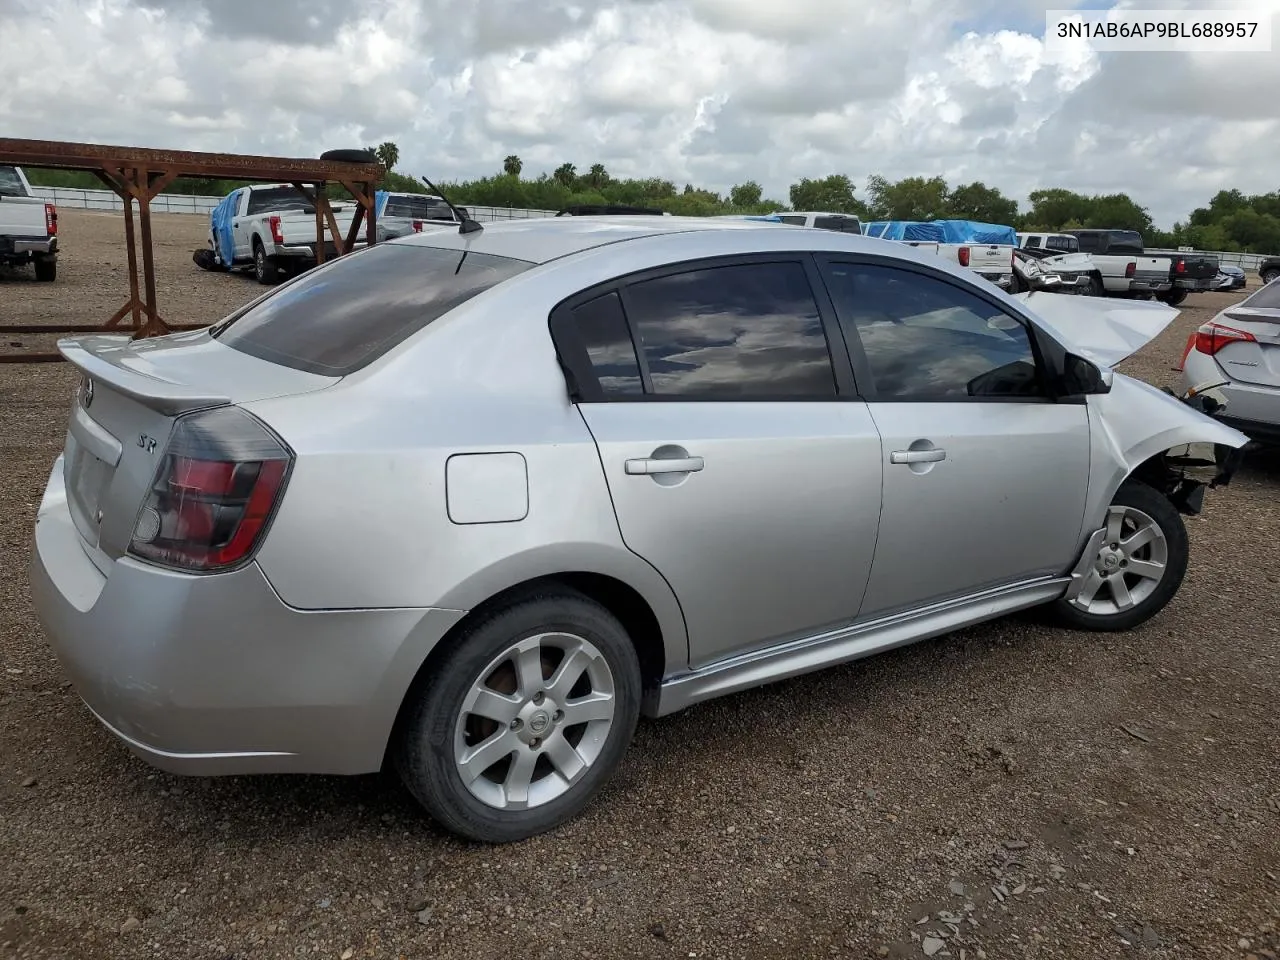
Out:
{"x": 214, "y": 492}
{"x": 964, "y": 256}
{"x": 50, "y": 219}
{"x": 1212, "y": 337}
{"x": 1130, "y": 270}
{"x": 276, "y": 235}
{"x": 417, "y": 226}
{"x": 1180, "y": 266}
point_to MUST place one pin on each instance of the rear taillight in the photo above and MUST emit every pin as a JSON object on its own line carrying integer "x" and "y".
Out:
{"x": 964, "y": 256}
{"x": 213, "y": 494}
{"x": 1186, "y": 351}
{"x": 417, "y": 226}
{"x": 1212, "y": 337}
{"x": 1130, "y": 270}
{"x": 50, "y": 219}
{"x": 274, "y": 224}
{"x": 1180, "y": 266}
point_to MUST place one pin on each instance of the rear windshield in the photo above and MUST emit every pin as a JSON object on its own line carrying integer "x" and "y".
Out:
{"x": 337, "y": 318}
{"x": 417, "y": 208}
{"x": 1268, "y": 298}
{"x": 277, "y": 198}
{"x": 10, "y": 184}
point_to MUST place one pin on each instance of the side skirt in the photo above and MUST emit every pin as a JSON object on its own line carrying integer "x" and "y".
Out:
{"x": 853, "y": 642}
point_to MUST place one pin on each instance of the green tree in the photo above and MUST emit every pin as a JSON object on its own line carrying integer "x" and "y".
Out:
{"x": 1118, "y": 211}
{"x": 388, "y": 154}
{"x": 1055, "y": 207}
{"x": 746, "y": 194}
{"x": 977, "y": 201}
{"x": 832, "y": 193}
{"x": 512, "y": 165}
{"x": 566, "y": 175}
{"x": 597, "y": 176}
{"x": 913, "y": 198}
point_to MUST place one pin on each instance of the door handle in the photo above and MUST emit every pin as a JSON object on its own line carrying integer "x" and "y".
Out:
{"x": 917, "y": 456}
{"x": 652, "y": 465}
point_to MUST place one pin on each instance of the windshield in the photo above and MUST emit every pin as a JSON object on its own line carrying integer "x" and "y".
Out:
{"x": 277, "y": 198}
{"x": 11, "y": 183}
{"x": 342, "y": 316}
{"x": 1268, "y": 298}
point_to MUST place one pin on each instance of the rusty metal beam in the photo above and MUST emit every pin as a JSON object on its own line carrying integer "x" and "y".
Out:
{"x": 60, "y": 155}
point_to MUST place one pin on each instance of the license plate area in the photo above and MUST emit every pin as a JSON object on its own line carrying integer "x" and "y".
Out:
{"x": 86, "y": 477}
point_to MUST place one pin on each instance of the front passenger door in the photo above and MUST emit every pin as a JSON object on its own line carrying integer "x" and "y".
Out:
{"x": 985, "y": 474}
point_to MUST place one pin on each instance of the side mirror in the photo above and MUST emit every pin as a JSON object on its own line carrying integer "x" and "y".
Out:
{"x": 1084, "y": 377}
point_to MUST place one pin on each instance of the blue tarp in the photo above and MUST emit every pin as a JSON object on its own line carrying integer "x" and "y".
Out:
{"x": 224, "y": 244}
{"x": 942, "y": 231}
{"x": 380, "y": 202}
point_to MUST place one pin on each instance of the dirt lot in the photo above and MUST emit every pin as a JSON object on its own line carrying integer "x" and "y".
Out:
{"x": 985, "y": 777}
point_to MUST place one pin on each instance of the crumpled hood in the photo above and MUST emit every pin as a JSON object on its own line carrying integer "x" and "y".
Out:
{"x": 1101, "y": 329}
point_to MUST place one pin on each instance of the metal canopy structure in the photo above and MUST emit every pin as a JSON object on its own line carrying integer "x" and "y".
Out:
{"x": 137, "y": 174}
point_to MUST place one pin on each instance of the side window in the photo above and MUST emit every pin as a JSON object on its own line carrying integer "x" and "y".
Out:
{"x": 733, "y": 332}
{"x": 927, "y": 339}
{"x": 794, "y": 221}
{"x": 1088, "y": 242}
{"x": 603, "y": 328}
{"x": 1035, "y": 242}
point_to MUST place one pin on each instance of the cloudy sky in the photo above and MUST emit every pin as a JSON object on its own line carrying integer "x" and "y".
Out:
{"x": 709, "y": 91}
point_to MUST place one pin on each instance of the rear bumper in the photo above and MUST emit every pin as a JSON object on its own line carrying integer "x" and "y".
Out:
{"x": 1252, "y": 409}
{"x": 1150, "y": 285}
{"x": 215, "y": 674}
{"x": 28, "y": 246}
{"x": 1197, "y": 285}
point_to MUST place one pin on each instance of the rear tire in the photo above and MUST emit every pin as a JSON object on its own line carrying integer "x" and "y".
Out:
{"x": 265, "y": 270}
{"x": 46, "y": 269}
{"x": 1173, "y": 297}
{"x": 1270, "y": 275}
{"x": 1129, "y": 585}
{"x": 477, "y": 729}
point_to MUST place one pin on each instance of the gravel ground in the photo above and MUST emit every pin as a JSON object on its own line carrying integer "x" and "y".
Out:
{"x": 982, "y": 783}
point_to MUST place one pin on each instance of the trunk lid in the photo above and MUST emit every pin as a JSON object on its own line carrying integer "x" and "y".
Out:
{"x": 131, "y": 393}
{"x": 22, "y": 217}
{"x": 1258, "y": 362}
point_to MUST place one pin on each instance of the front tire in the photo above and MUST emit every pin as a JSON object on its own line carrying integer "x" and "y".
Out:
{"x": 523, "y": 719}
{"x": 1096, "y": 289}
{"x": 1138, "y": 568}
{"x": 1270, "y": 275}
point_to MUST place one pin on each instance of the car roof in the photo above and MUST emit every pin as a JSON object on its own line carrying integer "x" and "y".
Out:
{"x": 540, "y": 239}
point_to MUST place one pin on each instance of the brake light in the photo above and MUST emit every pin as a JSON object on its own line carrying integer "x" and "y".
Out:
{"x": 417, "y": 226}
{"x": 1212, "y": 337}
{"x": 50, "y": 219}
{"x": 216, "y": 488}
{"x": 1130, "y": 270}
{"x": 964, "y": 256}
{"x": 1180, "y": 266}
{"x": 274, "y": 224}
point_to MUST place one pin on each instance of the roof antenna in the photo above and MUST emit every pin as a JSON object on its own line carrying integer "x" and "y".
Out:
{"x": 468, "y": 225}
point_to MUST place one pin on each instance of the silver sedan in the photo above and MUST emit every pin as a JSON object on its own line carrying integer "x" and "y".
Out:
{"x": 471, "y": 503}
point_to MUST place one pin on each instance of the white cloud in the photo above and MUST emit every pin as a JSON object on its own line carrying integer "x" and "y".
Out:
{"x": 709, "y": 91}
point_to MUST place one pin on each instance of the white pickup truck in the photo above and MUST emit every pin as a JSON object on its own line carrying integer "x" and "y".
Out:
{"x": 985, "y": 248}
{"x": 271, "y": 228}
{"x": 28, "y": 226}
{"x": 1117, "y": 255}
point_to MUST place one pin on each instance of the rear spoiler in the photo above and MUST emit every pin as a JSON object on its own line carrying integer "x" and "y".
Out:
{"x": 91, "y": 355}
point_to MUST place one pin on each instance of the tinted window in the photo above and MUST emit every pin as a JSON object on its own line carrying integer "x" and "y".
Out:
{"x": 843, "y": 224}
{"x": 1035, "y": 241}
{"x": 417, "y": 208}
{"x": 347, "y": 313}
{"x": 277, "y": 198}
{"x": 738, "y": 331}
{"x": 1069, "y": 244}
{"x": 603, "y": 328}
{"x": 1088, "y": 242}
{"x": 794, "y": 221}
{"x": 926, "y": 339}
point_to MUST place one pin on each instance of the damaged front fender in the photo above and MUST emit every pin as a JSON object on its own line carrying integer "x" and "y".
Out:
{"x": 1140, "y": 431}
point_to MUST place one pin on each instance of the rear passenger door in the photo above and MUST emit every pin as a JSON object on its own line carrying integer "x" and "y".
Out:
{"x": 985, "y": 474}
{"x": 741, "y": 463}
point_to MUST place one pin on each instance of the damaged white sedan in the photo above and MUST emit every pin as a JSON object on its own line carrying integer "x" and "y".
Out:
{"x": 472, "y": 501}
